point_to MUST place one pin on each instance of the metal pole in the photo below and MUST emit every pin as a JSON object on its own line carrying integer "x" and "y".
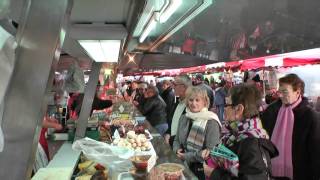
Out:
{"x": 39, "y": 36}
{"x": 264, "y": 85}
{"x": 89, "y": 94}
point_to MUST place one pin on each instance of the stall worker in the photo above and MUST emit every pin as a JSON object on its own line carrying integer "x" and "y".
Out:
{"x": 294, "y": 128}
{"x": 244, "y": 135}
{"x": 198, "y": 129}
{"x": 42, "y": 155}
{"x": 180, "y": 86}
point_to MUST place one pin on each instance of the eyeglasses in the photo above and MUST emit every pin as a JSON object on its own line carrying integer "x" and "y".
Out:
{"x": 142, "y": 89}
{"x": 177, "y": 84}
{"x": 229, "y": 105}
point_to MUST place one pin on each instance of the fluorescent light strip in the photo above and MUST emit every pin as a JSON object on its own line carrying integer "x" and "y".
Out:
{"x": 201, "y": 8}
{"x": 102, "y": 50}
{"x": 173, "y": 6}
{"x": 141, "y": 24}
{"x": 150, "y": 26}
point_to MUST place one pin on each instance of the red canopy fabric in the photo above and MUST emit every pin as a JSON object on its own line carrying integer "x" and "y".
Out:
{"x": 193, "y": 69}
{"x": 298, "y": 58}
{"x": 290, "y": 62}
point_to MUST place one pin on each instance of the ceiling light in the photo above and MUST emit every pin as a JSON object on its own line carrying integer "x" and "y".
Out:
{"x": 170, "y": 9}
{"x": 102, "y": 50}
{"x": 149, "y": 27}
{"x": 204, "y": 5}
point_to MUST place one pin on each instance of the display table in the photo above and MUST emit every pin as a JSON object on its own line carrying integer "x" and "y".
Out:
{"x": 65, "y": 161}
{"x": 61, "y": 166}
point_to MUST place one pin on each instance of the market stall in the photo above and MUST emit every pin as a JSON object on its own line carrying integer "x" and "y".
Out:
{"x": 123, "y": 136}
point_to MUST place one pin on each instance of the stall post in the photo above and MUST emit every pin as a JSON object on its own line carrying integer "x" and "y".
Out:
{"x": 89, "y": 94}
{"x": 40, "y": 36}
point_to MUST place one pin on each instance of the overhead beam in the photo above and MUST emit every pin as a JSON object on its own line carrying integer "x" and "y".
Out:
{"x": 87, "y": 101}
{"x": 98, "y": 31}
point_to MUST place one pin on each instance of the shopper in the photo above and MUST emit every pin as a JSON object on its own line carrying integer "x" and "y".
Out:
{"x": 219, "y": 99}
{"x": 198, "y": 129}
{"x": 317, "y": 105}
{"x": 154, "y": 108}
{"x": 131, "y": 92}
{"x": 245, "y": 137}
{"x": 169, "y": 98}
{"x": 180, "y": 85}
{"x": 295, "y": 130}
{"x": 199, "y": 81}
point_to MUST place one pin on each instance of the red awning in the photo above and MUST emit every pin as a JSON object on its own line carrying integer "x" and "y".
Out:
{"x": 289, "y": 62}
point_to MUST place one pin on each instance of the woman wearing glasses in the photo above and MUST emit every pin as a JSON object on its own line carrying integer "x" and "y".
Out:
{"x": 295, "y": 130}
{"x": 198, "y": 129}
{"x": 244, "y": 136}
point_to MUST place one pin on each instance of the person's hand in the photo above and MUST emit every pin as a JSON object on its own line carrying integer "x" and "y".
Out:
{"x": 180, "y": 154}
{"x": 49, "y": 122}
{"x": 166, "y": 138}
{"x": 135, "y": 103}
{"x": 207, "y": 170}
{"x": 205, "y": 154}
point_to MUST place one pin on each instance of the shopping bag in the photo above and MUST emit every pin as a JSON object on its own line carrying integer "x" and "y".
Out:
{"x": 224, "y": 158}
{"x": 104, "y": 153}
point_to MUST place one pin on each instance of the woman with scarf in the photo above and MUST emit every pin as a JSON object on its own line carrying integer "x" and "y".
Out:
{"x": 198, "y": 129}
{"x": 244, "y": 136}
{"x": 294, "y": 128}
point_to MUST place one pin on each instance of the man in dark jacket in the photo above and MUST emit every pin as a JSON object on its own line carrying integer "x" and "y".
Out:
{"x": 199, "y": 81}
{"x": 154, "y": 108}
{"x": 219, "y": 99}
{"x": 180, "y": 85}
{"x": 169, "y": 98}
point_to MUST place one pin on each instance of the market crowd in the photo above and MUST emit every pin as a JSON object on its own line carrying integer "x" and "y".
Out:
{"x": 223, "y": 131}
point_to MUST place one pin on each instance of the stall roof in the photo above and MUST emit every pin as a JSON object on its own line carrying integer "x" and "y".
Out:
{"x": 149, "y": 62}
{"x": 298, "y": 58}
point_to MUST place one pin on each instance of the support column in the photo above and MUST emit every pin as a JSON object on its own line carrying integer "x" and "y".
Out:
{"x": 89, "y": 94}
{"x": 40, "y": 36}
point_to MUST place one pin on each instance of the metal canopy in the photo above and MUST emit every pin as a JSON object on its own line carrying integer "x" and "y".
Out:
{"x": 39, "y": 37}
{"x": 144, "y": 62}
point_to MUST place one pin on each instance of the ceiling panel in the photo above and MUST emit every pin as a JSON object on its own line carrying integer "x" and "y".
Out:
{"x": 109, "y": 11}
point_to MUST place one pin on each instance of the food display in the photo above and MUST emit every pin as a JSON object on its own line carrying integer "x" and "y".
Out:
{"x": 122, "y": 122}
{"x": 89, "y": 170}
{"x": 137, "y": 142}
{"x": 140, "y": 162}
{"x": 105, "y": 132}
{"x": 171, "y": 171}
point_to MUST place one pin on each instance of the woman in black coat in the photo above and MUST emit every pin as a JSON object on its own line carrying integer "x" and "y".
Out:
{"x": 304, "y": 139}
{"x": 245, "y": 137}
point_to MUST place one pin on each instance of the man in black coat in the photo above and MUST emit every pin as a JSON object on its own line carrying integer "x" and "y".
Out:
{"x": 169, "y": 98}
{"x": 154, "y": 108}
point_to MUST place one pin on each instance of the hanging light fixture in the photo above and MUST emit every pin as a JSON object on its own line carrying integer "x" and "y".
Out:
{"x": 169, "y": 9}
{"x": 102, "y": 50}
{"x": 149, "y": 27}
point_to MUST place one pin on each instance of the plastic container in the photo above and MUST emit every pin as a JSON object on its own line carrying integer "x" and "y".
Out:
{"x": 140, "y": 119}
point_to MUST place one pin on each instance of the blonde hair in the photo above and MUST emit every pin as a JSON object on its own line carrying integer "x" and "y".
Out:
{"x": 197, "y": 91}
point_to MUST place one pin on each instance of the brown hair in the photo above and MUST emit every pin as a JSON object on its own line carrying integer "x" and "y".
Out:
{"x": 294, "y": 80}
{"x": 166, "y": 82}
{"x": 247, "y": 95}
